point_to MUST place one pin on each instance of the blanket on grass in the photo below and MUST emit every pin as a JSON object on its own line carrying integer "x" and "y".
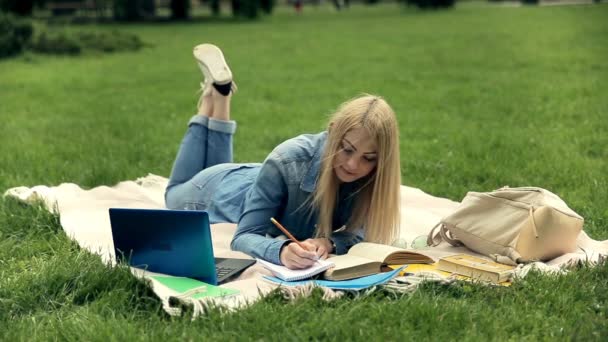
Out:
{"x": 84, "y": 217}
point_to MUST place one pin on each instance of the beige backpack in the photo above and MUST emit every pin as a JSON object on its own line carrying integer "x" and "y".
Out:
{"x": 511, "y": 225}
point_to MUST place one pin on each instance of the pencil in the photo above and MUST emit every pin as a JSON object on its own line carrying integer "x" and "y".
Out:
{"x": 286, "y": 232}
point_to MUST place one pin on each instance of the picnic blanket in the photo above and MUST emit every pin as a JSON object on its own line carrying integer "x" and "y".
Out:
{"x": 84, "y": 218}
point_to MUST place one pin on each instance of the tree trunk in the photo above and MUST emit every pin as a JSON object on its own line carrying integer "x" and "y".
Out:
{"x": 180, "y": 9}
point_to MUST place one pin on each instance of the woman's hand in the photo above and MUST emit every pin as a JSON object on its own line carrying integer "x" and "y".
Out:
{"x": 323, "y": 247}
{"x": 295, "y": 257}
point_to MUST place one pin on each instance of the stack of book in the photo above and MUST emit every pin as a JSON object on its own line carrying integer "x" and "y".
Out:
{"x": 462, "y": 267}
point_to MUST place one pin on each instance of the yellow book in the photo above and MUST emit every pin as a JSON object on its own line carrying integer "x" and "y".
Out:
{"x": 368, "y": 258}
{"x": 421, "y": 270}
{"x": 431, "y": 271}
{"x": 476, "y": 268}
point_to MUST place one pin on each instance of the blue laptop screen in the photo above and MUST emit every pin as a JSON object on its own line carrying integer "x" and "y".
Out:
{"x": 174, "y": 242}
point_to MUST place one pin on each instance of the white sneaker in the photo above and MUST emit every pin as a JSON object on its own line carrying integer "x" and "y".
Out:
{"x": 211, "y": 61}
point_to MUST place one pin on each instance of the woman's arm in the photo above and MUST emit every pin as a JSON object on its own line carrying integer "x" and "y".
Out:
{"x": 264, "y": 200}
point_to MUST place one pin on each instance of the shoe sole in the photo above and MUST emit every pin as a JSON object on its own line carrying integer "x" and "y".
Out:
{"x": 212, "y": 63}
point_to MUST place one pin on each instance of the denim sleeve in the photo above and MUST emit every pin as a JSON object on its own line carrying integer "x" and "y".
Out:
{"x": 344, "y": 241}
{"x": 264, "y": 200}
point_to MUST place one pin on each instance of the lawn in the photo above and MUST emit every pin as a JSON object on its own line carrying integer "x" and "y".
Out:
{"x": 486, "y": 96}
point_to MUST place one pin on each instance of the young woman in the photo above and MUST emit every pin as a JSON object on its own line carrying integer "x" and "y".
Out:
{"x": 331, "y": 190}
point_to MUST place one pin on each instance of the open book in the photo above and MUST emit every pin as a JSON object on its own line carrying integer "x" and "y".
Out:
{"x": 367, "y": 258}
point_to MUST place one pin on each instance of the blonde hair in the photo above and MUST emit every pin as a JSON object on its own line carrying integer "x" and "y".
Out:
{"x": 377, "y": 202}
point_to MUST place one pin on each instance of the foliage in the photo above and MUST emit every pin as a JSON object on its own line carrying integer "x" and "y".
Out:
{"x": 249, "y": 9}
{"x": 431, "y": 4}
{"x": 112, "y": 41}
{"x": 133, "y": 10}
{"x": 15, "y": 34}
{"x": 245, "y": 8}
{"x": 58, "y": 43}
{"x": 20, "y": 7}
{"x": 267, "y": 6}
{"x": 530, "y": 2}
{"x": 72, "y": 43}
{"x": 127, "y": 10}
{"x": 180, "y": 9}
{"x": 214, "y": 5}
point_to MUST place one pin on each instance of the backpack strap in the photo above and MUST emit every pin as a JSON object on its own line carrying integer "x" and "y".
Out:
{"x": 443, "y": 234}
{"x": 434, "y": 238}
{"x": 513, "y": 258}
{"x": 446, "y": 234}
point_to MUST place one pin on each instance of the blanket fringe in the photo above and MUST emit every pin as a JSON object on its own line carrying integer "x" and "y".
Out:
{"x": 522, "y": 270}
{"x": 301, "y": 291}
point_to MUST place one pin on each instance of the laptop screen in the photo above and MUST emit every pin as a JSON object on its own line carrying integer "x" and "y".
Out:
{"x": 174, "y": 242}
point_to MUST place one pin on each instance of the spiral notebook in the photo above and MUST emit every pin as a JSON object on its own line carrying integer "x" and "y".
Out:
{"x": 290, "y": 275}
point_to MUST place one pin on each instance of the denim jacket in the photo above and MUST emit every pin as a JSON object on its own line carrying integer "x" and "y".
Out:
{"x": 281, "y": 187}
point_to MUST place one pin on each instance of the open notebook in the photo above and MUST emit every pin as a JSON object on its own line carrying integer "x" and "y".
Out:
{"x": 290, "y": 275}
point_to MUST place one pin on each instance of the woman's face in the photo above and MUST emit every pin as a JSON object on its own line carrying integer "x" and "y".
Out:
{"x": 357, "y": 156}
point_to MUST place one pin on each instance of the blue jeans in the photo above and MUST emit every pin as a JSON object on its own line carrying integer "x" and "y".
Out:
{"x": 204, "y": 154}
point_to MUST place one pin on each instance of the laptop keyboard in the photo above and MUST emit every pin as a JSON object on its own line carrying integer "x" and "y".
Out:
{"x": 227, "y": 269}
{"x": 222, "y": 271}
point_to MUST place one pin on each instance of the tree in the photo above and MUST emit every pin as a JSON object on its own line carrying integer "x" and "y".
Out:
{"x": 132, "y": 10}
{"x": 180, "y": 9}
{"x": 245, "y": 8}
{"x": 431, "y": 4}
{"x": 15, "y": 34}
{"x": 20, "y": 7}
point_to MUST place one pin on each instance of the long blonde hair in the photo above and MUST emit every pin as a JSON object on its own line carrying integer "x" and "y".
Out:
{"x": 376, "y": 206}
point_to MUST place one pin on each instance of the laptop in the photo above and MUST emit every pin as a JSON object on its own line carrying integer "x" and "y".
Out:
{"x": 173, "y": 242}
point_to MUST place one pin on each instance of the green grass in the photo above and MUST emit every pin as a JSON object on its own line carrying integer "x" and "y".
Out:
{"x": 486, "y": 96}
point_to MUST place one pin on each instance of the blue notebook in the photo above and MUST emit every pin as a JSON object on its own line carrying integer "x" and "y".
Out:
{"x": 351, "y": 284}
